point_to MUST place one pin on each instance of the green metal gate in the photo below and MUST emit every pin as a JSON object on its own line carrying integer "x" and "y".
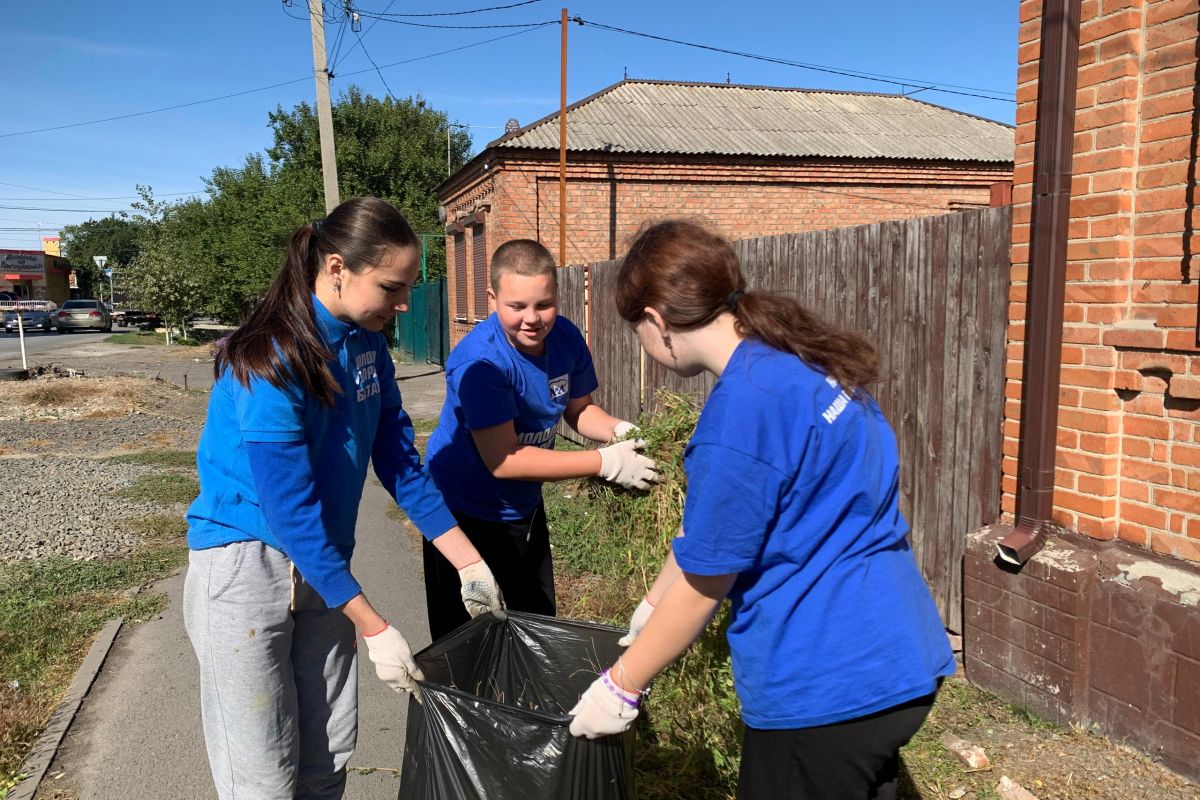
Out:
{"x": 423, "y": 334}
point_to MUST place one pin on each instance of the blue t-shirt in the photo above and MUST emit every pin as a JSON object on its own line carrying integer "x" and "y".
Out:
{"x": 338, "y": 443}
{"x": 794, "y": 485}
{"x": 488, "y": 382}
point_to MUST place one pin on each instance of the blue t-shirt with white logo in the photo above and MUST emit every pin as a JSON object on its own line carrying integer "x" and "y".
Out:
{"x": 338, "y": 442}
{"x": 489, "y": 382}
{"x": 794, "y": 486}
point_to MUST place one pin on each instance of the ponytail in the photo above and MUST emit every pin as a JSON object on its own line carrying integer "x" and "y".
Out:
{"x": 279, "y": 341}
{"x": 692, "y": 276}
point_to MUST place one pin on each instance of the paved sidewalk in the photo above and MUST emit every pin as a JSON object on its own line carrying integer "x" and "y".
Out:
{"x": 138, "y": 733}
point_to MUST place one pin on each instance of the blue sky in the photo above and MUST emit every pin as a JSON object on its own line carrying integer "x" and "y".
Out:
{"x": 73, "y": 62}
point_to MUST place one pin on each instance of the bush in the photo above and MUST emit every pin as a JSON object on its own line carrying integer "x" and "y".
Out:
{"x": 611, "y": 543}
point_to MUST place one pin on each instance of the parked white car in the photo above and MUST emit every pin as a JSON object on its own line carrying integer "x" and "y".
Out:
{"x": 82, "y": 315}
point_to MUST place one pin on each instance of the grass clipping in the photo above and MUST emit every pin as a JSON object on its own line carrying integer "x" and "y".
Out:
{"x": 612, "y": 543}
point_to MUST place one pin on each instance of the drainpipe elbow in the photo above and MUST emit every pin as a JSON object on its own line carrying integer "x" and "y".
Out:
{"x": 1023, "y": 543}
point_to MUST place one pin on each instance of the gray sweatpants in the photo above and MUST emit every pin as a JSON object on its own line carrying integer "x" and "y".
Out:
{"x": 278, "y": 676}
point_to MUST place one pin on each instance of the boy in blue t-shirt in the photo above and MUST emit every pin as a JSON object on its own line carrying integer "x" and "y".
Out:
{"x": 508, "y": 384}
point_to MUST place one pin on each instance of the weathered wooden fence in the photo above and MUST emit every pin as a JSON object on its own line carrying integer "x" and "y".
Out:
{"x": 931, "y": 293}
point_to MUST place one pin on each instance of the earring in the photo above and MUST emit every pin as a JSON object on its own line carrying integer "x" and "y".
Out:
{"x": 337, "y": 286}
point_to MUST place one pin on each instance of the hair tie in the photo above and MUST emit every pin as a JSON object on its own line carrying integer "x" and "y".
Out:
{"x": 733, "y": 299}
{"x": 317, "y": 224}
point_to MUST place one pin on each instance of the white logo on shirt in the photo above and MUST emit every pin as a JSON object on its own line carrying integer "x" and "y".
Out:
{"x": 365, "y": 376}
{"x": 543, "y": 439}
{"x": 559, "y": 387}
{"x": 838, "y": 405}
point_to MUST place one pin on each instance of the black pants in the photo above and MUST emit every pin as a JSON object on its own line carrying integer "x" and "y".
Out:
{"x": 518, "y": 554}
{"x": 854, "y": 760}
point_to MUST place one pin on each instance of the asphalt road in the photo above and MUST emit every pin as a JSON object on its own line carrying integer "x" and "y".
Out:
{"x": 42, "y": 345}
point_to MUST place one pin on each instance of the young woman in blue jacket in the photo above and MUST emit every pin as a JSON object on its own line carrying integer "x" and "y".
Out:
{"x": 792, "y": 512}
{"x": 305, "y": 395}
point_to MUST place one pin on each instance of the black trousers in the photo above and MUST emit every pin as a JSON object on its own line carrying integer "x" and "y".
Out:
{"x": 518, "y": 554}
{"x": 858, "y": 759}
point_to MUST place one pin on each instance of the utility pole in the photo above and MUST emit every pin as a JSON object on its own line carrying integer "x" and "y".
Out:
{"x": 562, "y": 150}
{"x": 316, "y": 13}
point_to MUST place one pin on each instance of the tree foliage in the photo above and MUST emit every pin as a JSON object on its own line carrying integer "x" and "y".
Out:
{"x": 228, "y": 247}
{"x": 160, "y": 276}
{"x": 114, "y": 237}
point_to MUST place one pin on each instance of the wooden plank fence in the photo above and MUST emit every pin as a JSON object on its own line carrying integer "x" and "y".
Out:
{"x": 932, "y": 294}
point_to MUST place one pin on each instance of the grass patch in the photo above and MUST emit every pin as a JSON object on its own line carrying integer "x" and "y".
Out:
{"x": 160, "y": 528}
{"x": 50, "y": 610}
{"x": 424, "y": 426}
{"x": 164, "y": 488}
{"x": 158, "y": 458}
{"x": 141, "y": 338}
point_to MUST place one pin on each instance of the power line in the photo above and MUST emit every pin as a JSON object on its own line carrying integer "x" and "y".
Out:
{"x": 369, "y": 15}
{"x": 376, "y": 66}
{"x": 459, "y": 13}
{"x": 920, "y": 85}
{"x": 272, "y": 86}
{"x": 82, "y": 197}
{"x": 373, "y": 24}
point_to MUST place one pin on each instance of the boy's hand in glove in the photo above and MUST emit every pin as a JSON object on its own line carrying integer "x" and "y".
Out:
{"x": 604, "y": 709}
{"x": 393, "y": 661}
{"x": 480, "y": 592}
{"x": 622, "y": 464}
{"x": 638, "y": 621}
{"x": 622, "y": 429}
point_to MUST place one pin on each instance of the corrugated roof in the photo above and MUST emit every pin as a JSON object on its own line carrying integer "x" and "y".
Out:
{"x": 637, "y": 116}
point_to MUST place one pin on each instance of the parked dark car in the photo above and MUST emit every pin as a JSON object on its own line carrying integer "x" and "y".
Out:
{"x": 32, "y": 319}
{"x": 145, "y": 320}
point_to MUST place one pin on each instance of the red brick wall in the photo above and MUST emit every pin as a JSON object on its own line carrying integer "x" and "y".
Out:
{"x": 1092, "y": 633}
{"x": 608, "y": 200}
{"x": 1129, "y": 408}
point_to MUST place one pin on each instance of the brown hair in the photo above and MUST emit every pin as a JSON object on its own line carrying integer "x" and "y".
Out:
{"x": 279, "y": 341}
{"x": 522, "y": 257}
{"x": 691, "y": 275}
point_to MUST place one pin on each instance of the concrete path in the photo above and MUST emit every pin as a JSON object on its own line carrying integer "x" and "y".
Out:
{"x": 138, "y": 733}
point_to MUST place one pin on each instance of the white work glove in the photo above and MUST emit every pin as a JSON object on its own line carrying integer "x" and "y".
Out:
{"x": 480, "y": 593}
{"x": 622, "y": 464}
{"x": 638, "y": 621}
{"x": 393, "y": 661}
{"x": 622, "y": 429}
{"x": 603, "y": 709}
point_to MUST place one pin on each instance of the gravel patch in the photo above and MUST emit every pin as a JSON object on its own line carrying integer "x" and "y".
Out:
{"x": 70, "y": 507}
{"x": 64, "y": 496}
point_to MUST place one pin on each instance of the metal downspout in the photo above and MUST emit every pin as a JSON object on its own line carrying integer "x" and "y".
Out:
{"x": 1058, "y": 73}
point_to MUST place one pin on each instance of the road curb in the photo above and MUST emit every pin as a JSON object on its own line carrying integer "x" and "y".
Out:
{"x": 43, "y": 752}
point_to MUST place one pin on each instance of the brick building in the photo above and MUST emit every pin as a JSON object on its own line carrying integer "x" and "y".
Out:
{"x": 753, "y": 160}
{"x": 1103, "y": 626}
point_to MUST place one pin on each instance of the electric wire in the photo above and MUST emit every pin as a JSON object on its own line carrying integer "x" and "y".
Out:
{"x": 457, "y": 13}
{"x": 919, "y": 85}
{"x": 379, "y": 72}
{"x": 368, "y": 30}
{"x": 272, "y": 86}
{"x": 368, "y": 15}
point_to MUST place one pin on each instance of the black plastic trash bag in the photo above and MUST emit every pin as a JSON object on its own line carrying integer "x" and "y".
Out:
{"x": 494, "y": 724}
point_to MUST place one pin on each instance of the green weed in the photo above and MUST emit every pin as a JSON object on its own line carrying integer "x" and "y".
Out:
{"x": 49, "y": 612}
{"x": 162, "y": 488}
{"x": 158, "y": 458}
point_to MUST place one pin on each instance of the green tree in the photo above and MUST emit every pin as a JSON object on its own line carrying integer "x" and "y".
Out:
{"x": 114, "y": 237}
{"x": 161, "y": 277}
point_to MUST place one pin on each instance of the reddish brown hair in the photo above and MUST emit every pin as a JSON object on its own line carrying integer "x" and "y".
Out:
{"x": 279, "y": 341}
{"x": 691, "y": 275}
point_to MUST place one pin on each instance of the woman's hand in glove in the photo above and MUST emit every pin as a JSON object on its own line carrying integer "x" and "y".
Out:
{"x": 393, "y": 661}
{"x": 638, "y": 621}
{"x": 604, "y": 709}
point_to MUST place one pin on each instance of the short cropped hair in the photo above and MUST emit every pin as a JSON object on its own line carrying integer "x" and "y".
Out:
{"x": 522, "y": 257}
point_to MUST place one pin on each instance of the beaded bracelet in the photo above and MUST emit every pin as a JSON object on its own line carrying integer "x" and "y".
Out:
{"x": 619, "y": 692}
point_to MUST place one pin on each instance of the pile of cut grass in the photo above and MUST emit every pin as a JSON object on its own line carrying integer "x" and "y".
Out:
{"x": 609, "y": 545}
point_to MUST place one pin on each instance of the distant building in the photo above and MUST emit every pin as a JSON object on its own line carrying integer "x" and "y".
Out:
{"x": 753, "y": 160}
{"x": 35, "y": 275}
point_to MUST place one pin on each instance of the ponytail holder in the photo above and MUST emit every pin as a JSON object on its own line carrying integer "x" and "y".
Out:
{"x": 733, "y": 299}
{"x": 317, "y": 224}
